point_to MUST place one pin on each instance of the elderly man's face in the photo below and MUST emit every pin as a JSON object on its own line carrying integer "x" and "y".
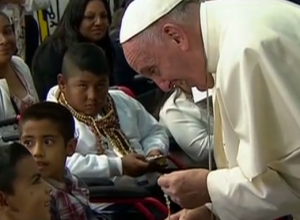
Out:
{"x": 154, "y": 63}
{"x": 167, "y": 62}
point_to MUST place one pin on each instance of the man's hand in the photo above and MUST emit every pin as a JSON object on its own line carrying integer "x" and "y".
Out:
{"x": 178, "y": 215}
{"x": 201, "y": 213}
{"x": 154, "y": 153}
{"x": 187, "y": 188}
{"x": 134, "y": 165}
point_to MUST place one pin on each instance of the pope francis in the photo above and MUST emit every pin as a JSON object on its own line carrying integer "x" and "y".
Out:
{"x": 253, "y": 46}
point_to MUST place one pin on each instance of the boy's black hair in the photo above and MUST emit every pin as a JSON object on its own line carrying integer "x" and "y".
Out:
{"x": 85, "y": 57}
{"x": 10, "y": 156}
{"x": 54, "y": 112}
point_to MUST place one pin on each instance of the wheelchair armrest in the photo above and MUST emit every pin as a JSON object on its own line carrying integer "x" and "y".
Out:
{"x": 117, "y": 192}
{"x": 10, "y": 136}
{"x": 97, "y": 182}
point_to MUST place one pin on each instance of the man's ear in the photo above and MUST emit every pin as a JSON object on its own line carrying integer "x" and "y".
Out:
{"x": 61, "y": 81}
{"x": 71, "y": 147}
{"x": 176, "y": 34}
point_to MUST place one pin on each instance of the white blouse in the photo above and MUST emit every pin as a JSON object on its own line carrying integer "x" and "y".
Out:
{"x": 6, "y": 107}
{"x": 188, "y": 125}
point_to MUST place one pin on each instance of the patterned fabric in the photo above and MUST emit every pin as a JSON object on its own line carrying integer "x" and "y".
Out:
{"x": 29, "y": 99}
{"x": 70, "y": 200}
{"x": 108, "y": 126}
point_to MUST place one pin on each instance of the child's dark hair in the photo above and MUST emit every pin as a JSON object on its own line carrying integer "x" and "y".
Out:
{"x": 54, "y": 112}
{"x": 86, "y": 57}
{"x": 10, "y": 156}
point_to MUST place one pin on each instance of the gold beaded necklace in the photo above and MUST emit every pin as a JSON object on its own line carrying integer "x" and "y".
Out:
{"x": 108, "y": 126}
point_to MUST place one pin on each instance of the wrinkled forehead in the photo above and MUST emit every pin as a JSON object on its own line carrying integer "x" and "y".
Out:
{"x": 138, "y": 56}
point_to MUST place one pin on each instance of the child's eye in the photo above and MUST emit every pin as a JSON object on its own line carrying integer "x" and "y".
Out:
{"x": 27, "y": 143}
{"x": 102, "y": 86}
{"x": 48, "y": 142}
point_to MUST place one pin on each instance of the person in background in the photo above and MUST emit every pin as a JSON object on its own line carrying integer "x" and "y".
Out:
{"x": 82, "y": 21}
{"x": 47, "y": 130}
{"x": 114, "y": 29}
{"x": 186, "y": 121}
{"x": 17, "y": 90}
{"x": 124, "y": 75}
{"x": 16, "y": 11}
{"x": 24, "y": 195}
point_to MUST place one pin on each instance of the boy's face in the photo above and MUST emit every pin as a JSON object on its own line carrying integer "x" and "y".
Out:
{"x": 31, "y": 197}
{"x": 85, "y": 92}
{"x": 43, "y": 139}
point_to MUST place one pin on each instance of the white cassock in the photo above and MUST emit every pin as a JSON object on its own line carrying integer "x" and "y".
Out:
{"x": 254, "y": 48}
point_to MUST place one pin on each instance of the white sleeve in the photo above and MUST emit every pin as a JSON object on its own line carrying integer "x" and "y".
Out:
{"x": 91, "y": 165}
{"x": 266, "y": 197}
{"x": 153, "y": 135}
{"x": 183, "y": 120}
{"x": 34, "y": 5}
{"x": 259, "y": 84}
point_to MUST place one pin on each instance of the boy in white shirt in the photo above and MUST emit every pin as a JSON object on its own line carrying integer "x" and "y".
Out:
{"x": 115, "y": 133}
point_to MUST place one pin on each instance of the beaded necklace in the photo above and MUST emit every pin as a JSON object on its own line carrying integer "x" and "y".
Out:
{"x": 108, "y": 126}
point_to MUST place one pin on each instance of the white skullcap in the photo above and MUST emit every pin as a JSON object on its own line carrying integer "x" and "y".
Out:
{"x": 140, "y": 14}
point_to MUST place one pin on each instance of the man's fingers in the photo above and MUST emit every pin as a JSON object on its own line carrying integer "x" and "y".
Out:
{"x": 175, "y": 216}
{"x": 164, "y": 181}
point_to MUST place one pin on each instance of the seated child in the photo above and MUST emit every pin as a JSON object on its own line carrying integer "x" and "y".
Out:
{"x": 24, "y": 195}
{"x": 47, "y": 130}
{"x": 115, "y": 133}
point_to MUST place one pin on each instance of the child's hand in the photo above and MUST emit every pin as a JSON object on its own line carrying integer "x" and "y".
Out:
{"x": 154, "y": 153}
{"x": 134, "y": 165}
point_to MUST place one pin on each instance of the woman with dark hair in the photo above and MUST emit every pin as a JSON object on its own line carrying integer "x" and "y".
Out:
{"x": 186, "y": 121}
{"x": 16, "y": 86}
{"x": 82, "y": 21}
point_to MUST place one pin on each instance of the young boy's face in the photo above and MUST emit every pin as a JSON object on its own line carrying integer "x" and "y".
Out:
{"x": 31, "y": 197}
{"x": 43, "y": 139}
{"x": 85, "y": 92}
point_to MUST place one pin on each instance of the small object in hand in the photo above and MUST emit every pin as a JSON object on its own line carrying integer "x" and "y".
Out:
{"x": 159, "y": 160}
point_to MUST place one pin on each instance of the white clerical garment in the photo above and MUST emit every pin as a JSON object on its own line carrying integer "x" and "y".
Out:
{"x": 254, "y": 48}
